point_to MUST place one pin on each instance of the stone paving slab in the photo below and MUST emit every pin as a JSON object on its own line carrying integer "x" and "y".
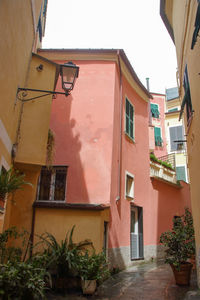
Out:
{"x": 193, "y": 295}
{"x": 148, "y": 281}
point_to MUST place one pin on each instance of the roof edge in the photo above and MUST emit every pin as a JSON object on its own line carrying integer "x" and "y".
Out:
{"x": 112, "y": 51}
{"x": 165, "y": 19}
{"x": 79, "y": 206}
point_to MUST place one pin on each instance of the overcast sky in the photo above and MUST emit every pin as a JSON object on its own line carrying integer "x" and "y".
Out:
{"x": 132, "y": 25}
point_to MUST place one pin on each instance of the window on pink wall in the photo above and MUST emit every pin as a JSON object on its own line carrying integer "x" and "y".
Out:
{"x": 155, "y": 111}
{"x": 129, "y": 186}
{"x": 158, "y": 137}
{"x": 52, "y": 184}
{"x": 129, "y": 126}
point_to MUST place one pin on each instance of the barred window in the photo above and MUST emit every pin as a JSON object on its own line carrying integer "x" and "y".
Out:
{"x": 52, "y": 184}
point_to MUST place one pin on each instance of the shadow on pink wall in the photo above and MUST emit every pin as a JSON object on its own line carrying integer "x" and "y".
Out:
{"x": 170, "y": 202}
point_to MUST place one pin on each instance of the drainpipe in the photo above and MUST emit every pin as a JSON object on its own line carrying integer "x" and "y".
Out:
{"x": 149, "y": 104}
{"x": 32, "y": 231}
{"x": 120, "y": 129}
{"x": 147, "y": 81}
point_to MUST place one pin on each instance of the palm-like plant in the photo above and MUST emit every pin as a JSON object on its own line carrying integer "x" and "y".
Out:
{"x": 62, "y": 255}
{"x": 10, "y": 181}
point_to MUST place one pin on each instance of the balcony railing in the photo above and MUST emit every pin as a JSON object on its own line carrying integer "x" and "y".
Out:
{"x": 170, "y": 159}
{"x": 163, "y": 173}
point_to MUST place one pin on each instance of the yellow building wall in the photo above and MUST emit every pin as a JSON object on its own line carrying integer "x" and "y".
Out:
{"x": 18, "y": 25}
{"x": 172, "y": 104}
{"x": 184, "y": 14}
{"x": 32, "y": 143}
{"x": 180, "y": 156}
{"x": 17, "y": 36}
{"x": 25, "y": 124}
{"x": 34, "y": 121}
{"x": 88, "y": 224}
{"x": 19, "y": 206}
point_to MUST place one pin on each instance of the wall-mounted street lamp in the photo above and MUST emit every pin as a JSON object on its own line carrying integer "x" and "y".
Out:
{"x": 69, "y": 72}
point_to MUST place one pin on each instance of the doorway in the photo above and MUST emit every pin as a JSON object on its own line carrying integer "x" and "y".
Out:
{"x": 136, "y": 230}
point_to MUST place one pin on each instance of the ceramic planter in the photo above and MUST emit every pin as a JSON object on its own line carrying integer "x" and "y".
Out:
{"x": 88, "y": 286}
{"x": 182, "y": 276}
{"x": 2, "y": 202}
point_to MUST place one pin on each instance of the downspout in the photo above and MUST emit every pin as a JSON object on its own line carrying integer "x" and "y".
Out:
{"x": 120, "y": 129}
{"x": 149, "y": 104}
{"x": 32, "y": 231}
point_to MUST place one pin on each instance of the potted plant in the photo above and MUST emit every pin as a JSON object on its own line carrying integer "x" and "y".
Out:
{"x": 91, "y": 268}
{"x": 62, "y": 257}
{"x": 180, "y": 247}
{"x": 10, "y": 181}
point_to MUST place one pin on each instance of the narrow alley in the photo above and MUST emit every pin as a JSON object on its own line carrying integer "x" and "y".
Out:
{"x": 148, "y": 281}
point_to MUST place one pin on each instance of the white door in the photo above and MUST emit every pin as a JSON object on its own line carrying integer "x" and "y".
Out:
{"x": 134, "y": 233}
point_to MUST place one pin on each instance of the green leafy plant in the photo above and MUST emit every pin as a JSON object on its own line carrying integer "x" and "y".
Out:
{"x": 180, "y": 241}
{"x": 21, "y": 280}
{"x": 9, "y": 252}
{"x": 50, "y": 148}
{"x": 93, "y": 266}
{"x": 10, "y": 181}
{"x": 115, "y": 270}
{"x": 62, "y": 256}
{"x": 161, "y": 162}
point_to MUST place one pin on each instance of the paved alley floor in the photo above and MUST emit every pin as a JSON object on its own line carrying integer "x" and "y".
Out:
{"x": 148, "y": 281}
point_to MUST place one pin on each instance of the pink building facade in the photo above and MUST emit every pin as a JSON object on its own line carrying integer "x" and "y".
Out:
{"x": 157, "y": 119}
{"x": 102, "y": 140}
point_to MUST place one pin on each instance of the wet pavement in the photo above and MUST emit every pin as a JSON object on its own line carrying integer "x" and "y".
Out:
{"x": 147, "y": 281}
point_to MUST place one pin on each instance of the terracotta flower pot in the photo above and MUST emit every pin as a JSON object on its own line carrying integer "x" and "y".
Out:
{"x": 193, "y": 262}
{"x": 88, "y": 286}
{"x": 182, "y": 276}
{"x": 2, "y": 202}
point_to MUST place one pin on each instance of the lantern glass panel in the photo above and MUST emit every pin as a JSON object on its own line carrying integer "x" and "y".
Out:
{"x": 69, "y": 74}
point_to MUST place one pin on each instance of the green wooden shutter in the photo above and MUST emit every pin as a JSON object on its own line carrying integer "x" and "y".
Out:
{"x": 157, "y": 135}
{"x": 129, "y": 119}
{"x": 173, "y": 109}
{"x": 154, "y": 110}
{"x": 180, "y": 173}
{"x": 197, "y": 26}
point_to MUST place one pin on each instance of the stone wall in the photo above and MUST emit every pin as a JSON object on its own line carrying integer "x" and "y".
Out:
{"x": 120, "y": 257}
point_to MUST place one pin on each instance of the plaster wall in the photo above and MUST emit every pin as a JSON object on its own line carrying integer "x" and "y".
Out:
{"x": 159, "y": 99}
{"x": 165, "y": 201}
{"x": 171, "y": 121}
{"x": 19, "y": 206}
{"x": 35, "y": 115}
{"x": 183, "y": 31}
{"x": 88, "y": 141}
{"x": 18, "y": 25}
{"x": 83, "y": 126}
{"x": 88, "y": 224}
{"x": 175, "y": 103}
{"x": 15, "y": 58}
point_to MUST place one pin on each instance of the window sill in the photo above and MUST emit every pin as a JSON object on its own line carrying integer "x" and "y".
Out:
{"x": 130, "y": 139}
{"x": 51, "y": 201}
{"x": 129, "y": 198}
